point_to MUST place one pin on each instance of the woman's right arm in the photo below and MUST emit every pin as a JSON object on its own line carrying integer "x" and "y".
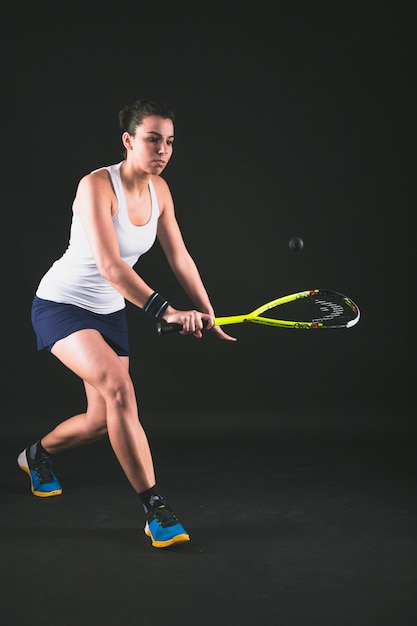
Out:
{"x": 95, "y": 204}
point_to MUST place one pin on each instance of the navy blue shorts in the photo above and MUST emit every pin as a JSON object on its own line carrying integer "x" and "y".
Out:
{"x": 53, "y": 321}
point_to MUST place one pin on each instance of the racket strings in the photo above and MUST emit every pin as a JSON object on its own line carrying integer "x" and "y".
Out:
{"x": 320, "y": 309}
{"x": 332, "y": 310}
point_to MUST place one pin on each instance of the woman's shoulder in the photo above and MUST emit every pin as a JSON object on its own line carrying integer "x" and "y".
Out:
{"x": 96, "y": 177}
{"x": 160, "y": 185}
{"x": 97, "y": 183}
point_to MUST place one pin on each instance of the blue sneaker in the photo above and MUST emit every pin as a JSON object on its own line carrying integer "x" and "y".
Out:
{"x": 163, "y": 527}
{"x": 44, "y": 483}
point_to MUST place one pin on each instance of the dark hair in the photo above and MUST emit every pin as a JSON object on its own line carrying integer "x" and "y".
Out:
{"x": 132, "y": 115}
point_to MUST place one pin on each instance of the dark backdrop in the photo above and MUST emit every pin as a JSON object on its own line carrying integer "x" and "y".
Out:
{"x": 292, "y": 119}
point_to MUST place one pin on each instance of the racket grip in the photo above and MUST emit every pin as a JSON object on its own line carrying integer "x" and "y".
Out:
{"x": 163, "y": 327}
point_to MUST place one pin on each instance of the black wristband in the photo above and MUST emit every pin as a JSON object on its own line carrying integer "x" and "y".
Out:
{"x": 156, "y": 305}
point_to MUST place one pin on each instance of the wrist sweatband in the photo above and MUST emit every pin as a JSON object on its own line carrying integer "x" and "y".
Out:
{"x": 156, "y": 305}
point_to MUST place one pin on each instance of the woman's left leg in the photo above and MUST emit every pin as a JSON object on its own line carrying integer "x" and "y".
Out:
{"x": 81, "y": 429}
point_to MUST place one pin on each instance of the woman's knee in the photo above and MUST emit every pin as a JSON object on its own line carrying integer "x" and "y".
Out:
{"x": 119, "y": 392}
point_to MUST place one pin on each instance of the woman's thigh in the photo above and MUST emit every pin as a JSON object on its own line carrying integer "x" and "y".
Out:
{"x": 89, "y": 356}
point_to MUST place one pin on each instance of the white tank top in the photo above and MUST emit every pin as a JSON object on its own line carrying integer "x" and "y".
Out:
{"x": 74, "y": 277}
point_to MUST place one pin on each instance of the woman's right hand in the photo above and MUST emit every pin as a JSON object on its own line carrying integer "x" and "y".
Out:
{"x": 192, "y": 322}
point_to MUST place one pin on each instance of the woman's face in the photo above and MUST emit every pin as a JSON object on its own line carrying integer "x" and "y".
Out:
{"x": 152, "y": 144}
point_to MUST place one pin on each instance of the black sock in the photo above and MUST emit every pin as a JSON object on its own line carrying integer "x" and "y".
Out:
{"x": 149, "y": 497}
{"x": 37, "y": 451}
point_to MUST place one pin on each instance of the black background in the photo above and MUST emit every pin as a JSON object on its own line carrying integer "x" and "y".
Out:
{"x": 292, "y": 453}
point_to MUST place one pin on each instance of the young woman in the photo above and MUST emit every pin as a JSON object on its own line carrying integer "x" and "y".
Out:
{"x": 78, "y": 311}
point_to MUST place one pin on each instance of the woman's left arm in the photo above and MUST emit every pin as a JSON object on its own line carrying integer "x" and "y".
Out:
{"x": 180, "y": 260}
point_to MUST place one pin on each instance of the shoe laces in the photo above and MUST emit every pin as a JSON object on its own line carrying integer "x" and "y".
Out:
{"x": 163, "y": 514}
{"x": 43, "y": 469}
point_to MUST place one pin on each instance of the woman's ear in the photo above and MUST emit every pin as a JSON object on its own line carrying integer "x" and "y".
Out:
{"x": 127, "y": 141}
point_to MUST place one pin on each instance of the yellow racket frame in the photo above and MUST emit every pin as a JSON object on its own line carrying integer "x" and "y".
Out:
{"x": 256, "y": 317}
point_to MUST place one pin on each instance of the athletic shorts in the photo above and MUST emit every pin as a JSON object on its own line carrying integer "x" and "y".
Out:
{"x": 53, "y": 321}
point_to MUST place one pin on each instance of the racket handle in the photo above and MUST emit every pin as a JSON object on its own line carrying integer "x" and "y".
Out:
{"x": 163, "y": 327}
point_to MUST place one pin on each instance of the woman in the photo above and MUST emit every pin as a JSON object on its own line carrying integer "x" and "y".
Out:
{"x": 78, "y": 311}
